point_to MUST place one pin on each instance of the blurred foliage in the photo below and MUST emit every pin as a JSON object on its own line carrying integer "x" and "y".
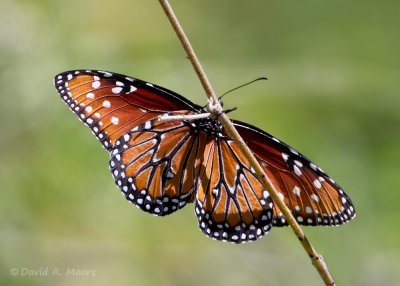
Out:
{"x": 333, "y": 93}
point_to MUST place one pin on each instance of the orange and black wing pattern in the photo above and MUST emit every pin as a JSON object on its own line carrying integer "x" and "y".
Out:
{"x": 231, "y": 203}
{"x": 157, "y": 165}
{"x": 162, "y": 166}
{"x": 311, "y": 194}
{"x": 111, "y": 104}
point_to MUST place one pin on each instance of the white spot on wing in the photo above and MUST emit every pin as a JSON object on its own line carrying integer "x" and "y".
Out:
{"x": 170, "y": 175}
{"x": 107, "y": 74}
{"x": 147, "y": 125}
{"x": 313, "y": 166}
{"x": 315, "y": 197}
{"x": 116, "y": 90}
{"x": 114, "y": 120}
{"x": 298, "y": 163}
{"x": 296, "y": 190}
{"x": 275, "y": 139}
{"x": 297, "y": 171}
{"x": 215, "y": 192}
{"x": 317, "y": 184}
{"x": 96, "y": 84}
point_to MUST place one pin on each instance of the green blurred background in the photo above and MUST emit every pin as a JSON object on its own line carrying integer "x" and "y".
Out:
{"x": 333, "y": 93}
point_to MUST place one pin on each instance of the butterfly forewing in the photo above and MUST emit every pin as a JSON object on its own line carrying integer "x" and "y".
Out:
{"x": 112, "y": 104}
{"x": 313, "y": 197}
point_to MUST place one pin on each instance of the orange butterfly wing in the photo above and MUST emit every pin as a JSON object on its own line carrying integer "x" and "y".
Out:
{"x": 313, "y": 197}
{"x": 231, "y": 203}
{"x": 157, "y": 165}
{"x": 111, "y": 104}
{"x": 162, "y": 166}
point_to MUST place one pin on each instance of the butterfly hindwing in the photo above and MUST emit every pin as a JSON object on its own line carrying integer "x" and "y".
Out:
{"x": 231, "y": 203}
{"x": 156, "y": 165}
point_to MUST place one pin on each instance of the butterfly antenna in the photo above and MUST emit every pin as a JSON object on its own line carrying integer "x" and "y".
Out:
{"x": 240, "y": 86}
{"x": 230, "y": 109}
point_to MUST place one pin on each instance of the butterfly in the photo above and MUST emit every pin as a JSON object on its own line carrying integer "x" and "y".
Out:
{"x": 160, "y": 166}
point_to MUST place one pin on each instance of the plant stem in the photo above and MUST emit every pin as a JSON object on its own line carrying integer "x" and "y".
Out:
{"x": 316, "y": 259}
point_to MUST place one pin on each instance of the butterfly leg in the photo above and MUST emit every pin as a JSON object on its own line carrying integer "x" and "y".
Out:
{"x": 189, "y": 117}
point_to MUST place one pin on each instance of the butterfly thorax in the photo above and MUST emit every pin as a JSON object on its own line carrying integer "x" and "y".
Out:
{"x": 209, "y": 125}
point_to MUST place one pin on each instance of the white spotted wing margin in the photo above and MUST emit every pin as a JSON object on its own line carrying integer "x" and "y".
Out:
{"x": 157, "y": 164}
{"x": 231, "y": 203}
{"x": 111, "y": 104}
{"x": 313, "y": 197}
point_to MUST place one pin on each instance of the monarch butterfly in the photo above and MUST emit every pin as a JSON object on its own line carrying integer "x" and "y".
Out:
{"x": 160, "y": 166}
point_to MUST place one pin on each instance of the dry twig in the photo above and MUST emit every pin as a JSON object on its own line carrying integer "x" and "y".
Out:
{"x": 316, "y": 259}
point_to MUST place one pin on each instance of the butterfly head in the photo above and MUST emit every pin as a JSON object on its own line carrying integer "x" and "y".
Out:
{"x": 215, "y": 109}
